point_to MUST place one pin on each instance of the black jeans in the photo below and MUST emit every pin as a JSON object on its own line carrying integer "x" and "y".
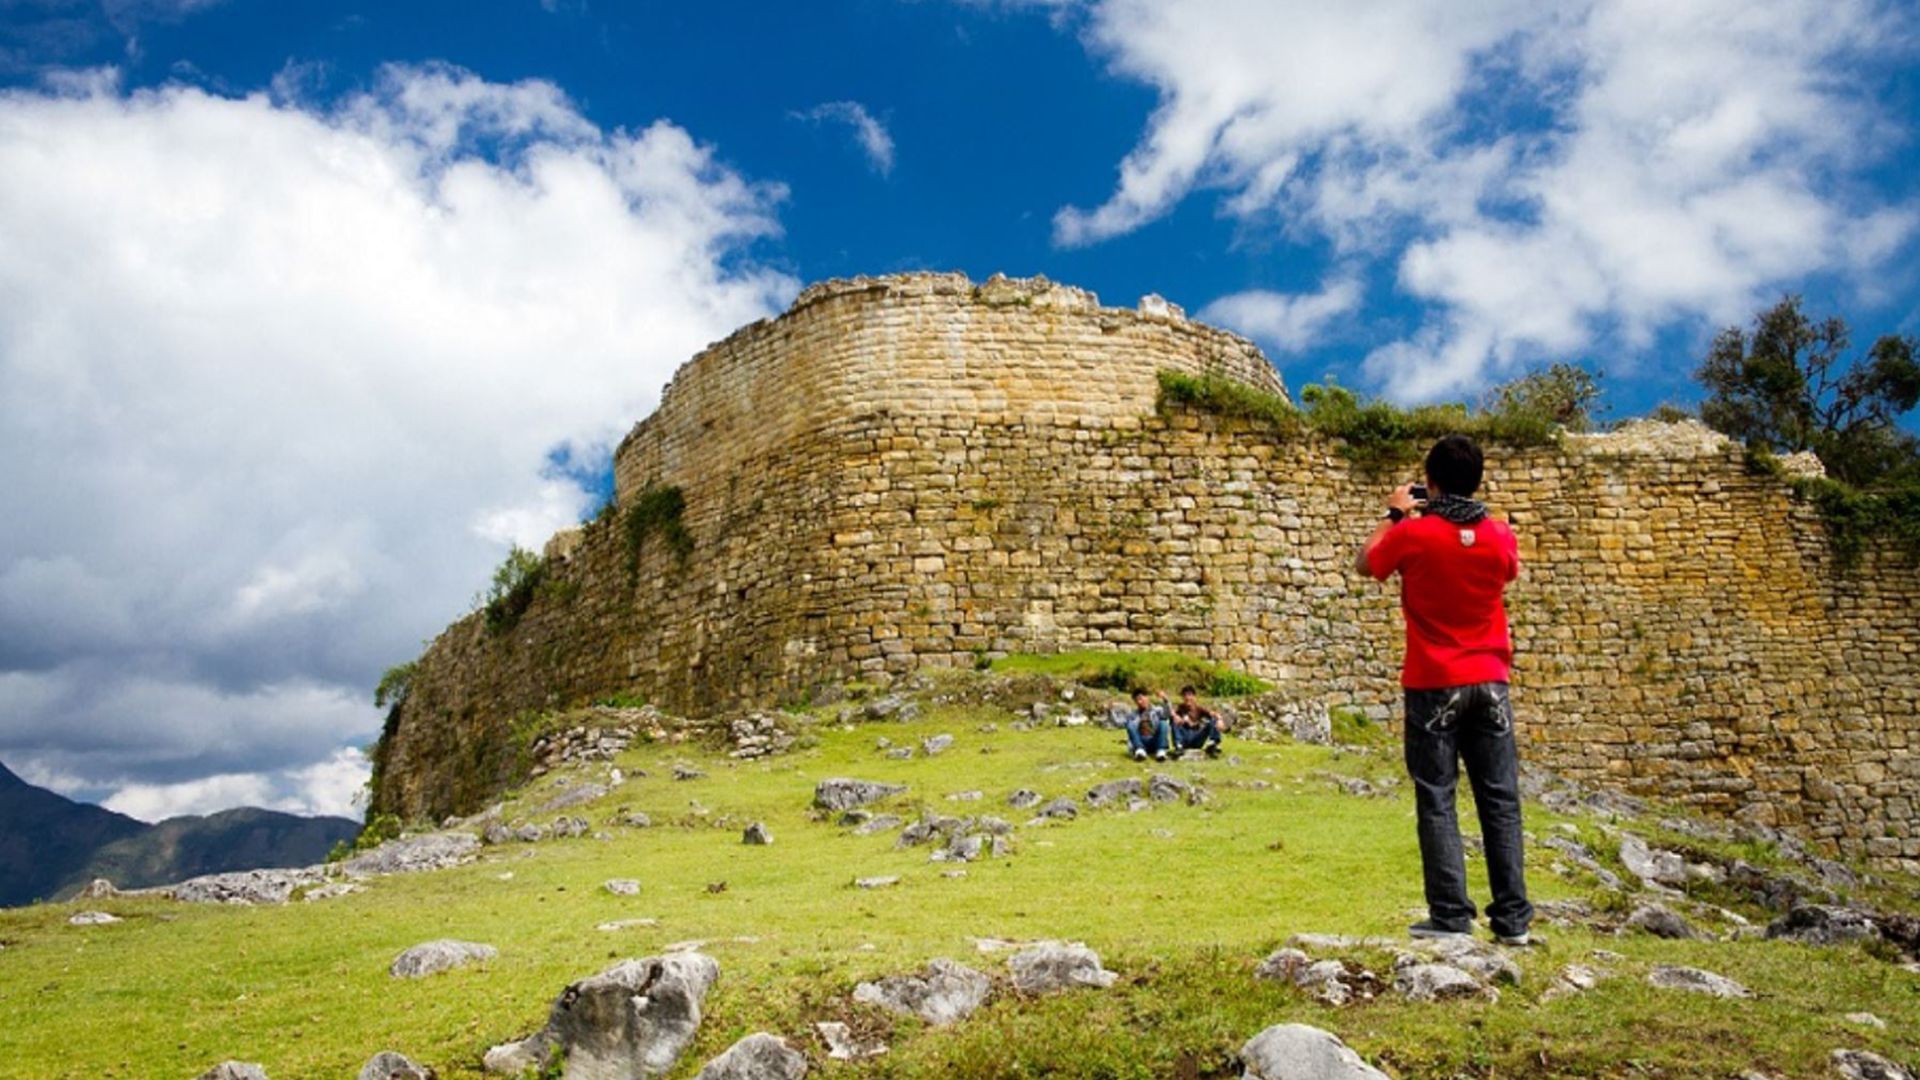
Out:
{"x": 1471, "y": 724}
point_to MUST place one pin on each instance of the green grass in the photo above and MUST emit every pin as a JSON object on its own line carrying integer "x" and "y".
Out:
{"x": 1129, "y": 671}
{"x": 1182, "y": 917}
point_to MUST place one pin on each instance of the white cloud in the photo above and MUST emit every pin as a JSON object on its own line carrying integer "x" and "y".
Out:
{"x": 872, "y": 135}
{"x": 1547, "y": 176}
{"x": 335, "y": 786}
{"x": 1286, "y": 321}
{"x": 281, "y": 380}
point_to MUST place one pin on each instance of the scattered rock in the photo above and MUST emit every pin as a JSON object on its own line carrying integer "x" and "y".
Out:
{"x": 1114, "y": 791}
{"x": 571, "y": 797}
{"x": 1866, "y": 1065}
{"x": 900, "y": 753}
{"x": 414, "y": 854}
{"x": 934, "y": 744}
{"x": 97, "y": 889}
{"x": 1051, "y": 966}
{"x": 757, "y": 834}
{"x": 246, "y": 886}
{"x": 873, "y": 825}
{"x": 623, "y": 887}
{"x": 633, "y": 1019}
{"x": 966, "y": 796}
{"x": 716, "y": 886}
{"x": 875, "y": 882}
{"x": 433, "y": 957}
{"x": 843, "y": 794}
{"x": 328, "y": 892}
{"x": 92, "y": 918}
{"x": 1661, "y": 922}
{"x": 947, "y": 993}
{"x": 567, "y": 827}
{"x": 1164, "y": 788}
{"x": 1024, "y": 798}
{"x": 235, "y": 1070}
{"x": 626, "y": 924}
{"x": 1439, "y": 982}
{"x": 1651, "y": 865}
{"x": 632, "y": 819}
{"x": 892, "y": 707}
{"x": 759, "y": 1056}
{"x": 1573, "y": 979}
{"x": 687, "y": 772}
{"x": 841, "y": 1044}
{"x": 1866, "y": 1019}
{"x": 1478, "y": 958}
{"x": 1579, "y": 855}
{"x": 757, "y": 735}
{"x": 1061, "y": 809}
{"x": 390, "y": 1065}
{"x": 1676, "y": 977}
{"x": 1823, "y": 924}
{"x": 1300, "y": 1052}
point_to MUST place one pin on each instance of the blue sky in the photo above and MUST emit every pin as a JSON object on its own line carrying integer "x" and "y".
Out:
{"x": 307, "y": 311}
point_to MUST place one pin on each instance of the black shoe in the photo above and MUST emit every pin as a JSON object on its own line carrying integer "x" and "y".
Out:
{"x": 1519, "y": 940}
{"x": 1428, "y": 928}
{"x": 1213, "y": 750}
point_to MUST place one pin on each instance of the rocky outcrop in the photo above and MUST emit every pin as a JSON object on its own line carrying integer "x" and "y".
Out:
{"x": 632, "y": 1020}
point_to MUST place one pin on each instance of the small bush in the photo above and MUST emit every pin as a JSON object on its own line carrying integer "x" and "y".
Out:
{"x": 395, "y": 684}
{"x": 515, "y": 581}
{"x": 1856, "y": 518}
{"x": 1228, "y": 397}
{"x": 1351, "y": 726}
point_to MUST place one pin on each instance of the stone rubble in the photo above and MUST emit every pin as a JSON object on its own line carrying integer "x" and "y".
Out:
{"x": 1051, "y": 967}
{"x": 633, "y": 1019}
{"x": 1300, "y": 1052}
{"x": 434, "y": 957}
{"x": 946, "y": 993}
{"x": 759, "y": 1056}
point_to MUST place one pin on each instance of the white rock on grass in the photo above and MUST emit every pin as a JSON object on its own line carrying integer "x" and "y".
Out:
{"x": 946, "y": 993}
{"x": 842, "y": 1045}
{"x": 1651, "y": 865}
{"x": 626, "y": 924}
{"x": 430, "y": 851}
{"x": 757, "y": 834}
{"x": 1867, "y": 1065}
{"x": 876, "y": 882}
{"x": 759, "y": 1056}
{"x": 623, "y": 887}
{"x": 840, "y": 793}
{"x": 1051, "y": 966}
{"x": 1439, "y": 982}
{"x": 1300, "y": 1052}
{"x": 633, "y": 1019}
{"x": 1866, "y": 1019}
{"x": 235, "y": 1070}
{"x": 1676, "y": 977}
{"x": 92, "y": 918}
{"x": 433, "y": 957}
{"x": 390, "y": 1065}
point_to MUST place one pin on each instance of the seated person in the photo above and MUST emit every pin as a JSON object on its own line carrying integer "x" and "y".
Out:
{"x": 1149, "y": 729}
{"x": 1195, "y": 726}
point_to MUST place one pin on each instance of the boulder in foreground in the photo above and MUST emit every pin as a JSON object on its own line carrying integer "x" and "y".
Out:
{"x": 632, "y": 1020}
{"x": 1300, "y": 1052}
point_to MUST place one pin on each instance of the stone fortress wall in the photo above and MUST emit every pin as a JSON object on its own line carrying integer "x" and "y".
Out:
{"x": 918, "y": 471}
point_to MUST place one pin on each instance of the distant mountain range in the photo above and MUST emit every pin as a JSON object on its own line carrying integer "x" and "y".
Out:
{"x": 51, "y": 845}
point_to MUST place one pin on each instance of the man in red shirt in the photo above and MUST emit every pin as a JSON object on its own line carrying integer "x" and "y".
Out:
{"x": 1454, "y": 564}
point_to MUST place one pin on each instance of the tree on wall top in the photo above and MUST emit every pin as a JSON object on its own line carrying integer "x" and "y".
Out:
{"x": 1787, "y": 385}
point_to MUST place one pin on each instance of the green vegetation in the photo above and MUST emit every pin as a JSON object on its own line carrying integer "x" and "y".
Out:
{"x": 1528, "y": 412}
{"x": 1351, "y": 726}
{"x": 1130, "y": 671}
{"x": 379, "y": 829}
{"x": 657, "y": 511}
{"x": 1787, "y": 386}
{"x": 515, "y": 582}
{"x": 1182, "y": 901}
{"x": 394, "y": 685}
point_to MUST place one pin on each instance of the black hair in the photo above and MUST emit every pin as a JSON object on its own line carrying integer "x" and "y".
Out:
{"x": 1185, "y": 690}
{"x": 1455, "y": 464}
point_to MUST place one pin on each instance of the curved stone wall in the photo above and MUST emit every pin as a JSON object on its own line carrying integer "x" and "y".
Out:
{"x": 916, "y": 471}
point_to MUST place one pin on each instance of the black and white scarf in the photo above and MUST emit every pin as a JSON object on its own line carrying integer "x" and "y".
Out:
{"x": 1456, "y": 508}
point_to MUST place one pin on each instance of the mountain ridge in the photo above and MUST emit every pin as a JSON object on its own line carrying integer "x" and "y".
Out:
{"x": 52, "y": 846}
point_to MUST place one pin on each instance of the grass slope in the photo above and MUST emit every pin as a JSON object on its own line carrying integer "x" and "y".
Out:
{"x": 1182, "y": 901}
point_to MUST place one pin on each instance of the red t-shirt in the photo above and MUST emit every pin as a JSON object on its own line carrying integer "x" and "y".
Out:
{"x": 1451, "y": 580}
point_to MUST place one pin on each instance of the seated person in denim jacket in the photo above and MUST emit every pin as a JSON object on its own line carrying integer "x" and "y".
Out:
{"x": 1149, "y": 729}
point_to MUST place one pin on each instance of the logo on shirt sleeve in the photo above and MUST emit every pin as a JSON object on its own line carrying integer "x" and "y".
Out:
{"x": 1466, "y": 537}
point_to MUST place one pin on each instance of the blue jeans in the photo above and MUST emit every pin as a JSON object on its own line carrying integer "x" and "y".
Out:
{"x": 1471, "y": 725}
{"x": 1194, "y": 738}
{"x": 1157, "y": 743}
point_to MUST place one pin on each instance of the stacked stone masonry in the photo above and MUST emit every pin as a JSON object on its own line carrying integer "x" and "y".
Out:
{"x": 917, "y": 471}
